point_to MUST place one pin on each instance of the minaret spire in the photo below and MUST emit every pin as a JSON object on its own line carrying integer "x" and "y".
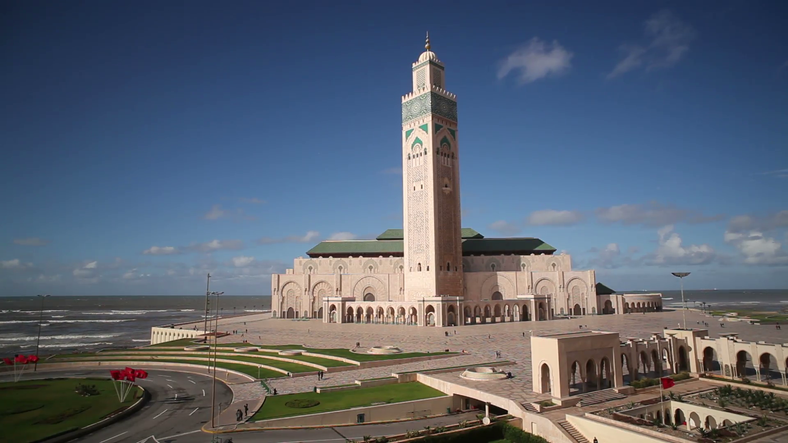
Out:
{"x": 427, "y": 44}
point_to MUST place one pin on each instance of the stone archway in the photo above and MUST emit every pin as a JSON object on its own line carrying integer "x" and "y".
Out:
{"x": 369, "y": 285}
{"x": 369, "y": 296}
{"x": 577, "y": 310}
{"x": 429, "y": 316}
{"x": 545, "y": 378}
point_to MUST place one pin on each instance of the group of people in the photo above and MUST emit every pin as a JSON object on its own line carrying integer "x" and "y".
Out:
{"x": 320, "y": 375}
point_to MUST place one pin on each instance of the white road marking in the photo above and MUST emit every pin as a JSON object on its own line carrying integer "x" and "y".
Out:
{"x": 176, "y": 396}
{"x": 171, "y": 381}
{"x": 195, "y": 410}
{"x": 113, "y": 437}
{"x": 169, "y": 386}
{"x": 203, "y": 392}
{"x": 181, "y": 435}
{"x": 192, "y": 381}
{"x": 162, "y": 412}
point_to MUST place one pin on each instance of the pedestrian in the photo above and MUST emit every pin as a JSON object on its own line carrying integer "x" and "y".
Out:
{"x": 274, "y": 391}
{"x": 246, "y": 409}
{"x": 523, "y": 333}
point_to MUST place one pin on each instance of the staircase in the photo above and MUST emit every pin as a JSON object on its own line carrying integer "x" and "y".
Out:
{"x": 529, "y": 407}
{"x": 596, "y": 397}
{"x": 577, "y": 436}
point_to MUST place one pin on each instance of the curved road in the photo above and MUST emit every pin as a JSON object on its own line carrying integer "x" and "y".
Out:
{"x": 180, "y": 404}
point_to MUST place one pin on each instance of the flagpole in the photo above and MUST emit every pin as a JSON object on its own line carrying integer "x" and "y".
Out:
{"x": 661, "y": 408}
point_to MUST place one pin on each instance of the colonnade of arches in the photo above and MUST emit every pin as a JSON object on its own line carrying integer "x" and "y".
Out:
{"x": 293, "y": 314}
{"x": 765, "y": 369}
{"x": 641, "y": 307}
{"x": 503, "y": 313}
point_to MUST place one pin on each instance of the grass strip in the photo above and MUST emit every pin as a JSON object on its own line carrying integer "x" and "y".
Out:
{"x": 327, "y": 362}
{"x": 276, "y": 406}
{"x": 246, "y": 369}
{"x": 283, "y": 365}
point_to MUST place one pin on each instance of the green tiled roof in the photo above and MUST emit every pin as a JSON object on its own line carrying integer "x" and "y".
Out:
{"x": 388, "y": 244}
{"x": 398, "y": 234}
{"x": 516, "y": 245}
{"x": 603, "y": 290}
{"x": 345, "y": 248}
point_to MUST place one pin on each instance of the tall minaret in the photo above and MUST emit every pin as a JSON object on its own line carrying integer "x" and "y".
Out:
{"x": 431, "y": 184}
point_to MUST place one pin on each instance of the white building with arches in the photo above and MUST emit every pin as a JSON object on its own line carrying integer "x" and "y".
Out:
{"x": 434, "y": 272}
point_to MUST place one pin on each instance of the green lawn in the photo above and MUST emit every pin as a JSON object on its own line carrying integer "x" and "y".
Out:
{"x": 765, "y": 317}
{"x": 35, "y": 409}
{"x": 276, "y": 406}
{"x": 246, "y": 369}
{"x": 327, "y": 362}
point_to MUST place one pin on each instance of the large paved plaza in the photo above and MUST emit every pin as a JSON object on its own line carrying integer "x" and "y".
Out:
{"x": 479, "y": 342}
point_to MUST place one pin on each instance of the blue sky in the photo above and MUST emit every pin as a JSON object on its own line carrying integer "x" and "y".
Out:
{"x": 147, "y": 143}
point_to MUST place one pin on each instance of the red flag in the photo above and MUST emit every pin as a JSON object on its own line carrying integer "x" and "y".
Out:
{"x": 115, "y": 375}
{"x": 32, "y": 359}
{"x": 21, "y": 359}
{"x": 667, "y": 382}
{"x": 8, "y": 361}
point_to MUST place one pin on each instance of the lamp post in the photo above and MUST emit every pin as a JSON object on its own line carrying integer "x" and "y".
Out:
{"x": 207, "y": 295}
{"x": 681, "y": 276}
{"x": 40, "y": 317}
{"x": 215, "y": 346}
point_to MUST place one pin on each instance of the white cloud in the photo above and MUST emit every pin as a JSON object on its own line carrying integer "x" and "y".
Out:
{"x": 652, "y": 214}
{"x": 668, "y": 42}
{"x": 671, "y": 251}
{"x": 241, "y": 261}
{"x": 217, "y": 245}
{"x": 342, "y": 236}
{"x": 555, "y": 218}
{"x": 310, "y": 236}
{"x": 15, "y": 264}
{"x": 31, "y": 241}
{"x": 217, "y": 212}
{"x": 130, "y": 275}
{"x": 392, "y": 171}
{"x": 779, "y": 173}
{"x": 536, "y": 60}
{"x": 89, "y": 271}
{"x": 756, "y": 248}
{"x": 161, "y": 250}
{"x": 742, "y": 223}
{"x": 505, "y": 227}
{"x": 607, "y": 257}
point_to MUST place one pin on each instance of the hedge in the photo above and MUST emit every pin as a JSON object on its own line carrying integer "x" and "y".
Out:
{"x": 486, "y": 433}
{"x": 646, "y": 382}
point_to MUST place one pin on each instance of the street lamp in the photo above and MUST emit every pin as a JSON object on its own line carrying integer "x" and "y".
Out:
{"x": 681, "y": 276}
{"x": 207, "y": 295}
{"x": 215, "y": 346}
{"x": 40, "y": 317}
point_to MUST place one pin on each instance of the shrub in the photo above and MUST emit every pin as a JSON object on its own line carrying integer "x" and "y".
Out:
{"x": 301, "y": 403}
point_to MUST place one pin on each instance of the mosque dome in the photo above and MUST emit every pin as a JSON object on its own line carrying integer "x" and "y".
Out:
{"x": 428, "y": 55}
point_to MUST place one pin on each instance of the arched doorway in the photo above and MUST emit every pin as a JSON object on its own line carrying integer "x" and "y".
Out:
{"x": 768, "y": 368}
{"x": 369, "y": 296}
{"x": 678, "y": 417}
{"x": 545, "y": 377}
{"x": 744, "y": 367}
{"x": 451, "y": 316}
{"x": 710, "y": 361}
{"x": 575, "y": 378}
{"x": 591, "y": 381}
{"x": 656, "y": 362}
{"x": 542, "y": 312}
{"x": 525, "y": 314}
{"x": 577, "y": 310}
{"x": 608, "y": 309}
{"x": 349, "y": 315}
{"x": 683, "y": 365}
{"x": 604, "y": 374}
{"x": 290, "y": 313}
{"x": 429, "y": 316}
{"x": 470, "y": 319}
{"x": 497, "y": 296}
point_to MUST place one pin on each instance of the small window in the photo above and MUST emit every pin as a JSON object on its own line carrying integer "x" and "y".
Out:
{"x": 428, "y": 267}
{"x": 492, "y": 267}
{"x": 448, "y": 266}
{"x": 418, "y": 267}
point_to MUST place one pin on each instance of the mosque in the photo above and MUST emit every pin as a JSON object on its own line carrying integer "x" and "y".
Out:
{"x": 434, "y": 272}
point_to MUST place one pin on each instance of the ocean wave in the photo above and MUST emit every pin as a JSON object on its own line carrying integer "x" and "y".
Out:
{"x": 8, "y": 322}
{"x": 141, "y": 339}
{"x": 121, "y": 312}
{"x": 58, "y": 316}
{"x": 750, "y": 302}
{"x": 58, "y": 337}
{"x": 75, "y": 345}
{"x": 187, "y": 310}
{"x": 257, "y": 310}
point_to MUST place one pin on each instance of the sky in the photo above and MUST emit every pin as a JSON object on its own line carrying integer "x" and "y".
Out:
{"x": 147, "y": 143}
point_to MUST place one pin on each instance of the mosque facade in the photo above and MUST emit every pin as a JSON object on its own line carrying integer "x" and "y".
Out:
{"x": 433, "y": 272}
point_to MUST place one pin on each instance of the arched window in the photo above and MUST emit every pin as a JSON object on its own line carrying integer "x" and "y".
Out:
{"x": 492, "y": 267}
{"x": 310, "y": 270}
{"x": 370, "y": 269}
{"x": 418, "y": 267}
{"x": 340, "y": 269}
{"x": 522, "y": 266}
{"x": 554, "y": 266}
{"x": 448, "y": 266}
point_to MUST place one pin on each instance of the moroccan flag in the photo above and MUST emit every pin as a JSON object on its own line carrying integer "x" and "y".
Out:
{"x": 115, "y": 375}
{"x": 8, "y": 361}
{"x": 667, "y": 382}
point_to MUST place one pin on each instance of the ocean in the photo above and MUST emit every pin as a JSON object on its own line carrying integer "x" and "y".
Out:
{"x": 89, "y": 323}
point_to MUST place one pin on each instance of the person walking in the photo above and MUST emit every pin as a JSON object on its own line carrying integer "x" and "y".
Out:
{"x": 246, "y": 410}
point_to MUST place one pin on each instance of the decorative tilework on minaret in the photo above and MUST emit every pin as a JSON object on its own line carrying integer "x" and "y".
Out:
{"x": 430, "y": 180}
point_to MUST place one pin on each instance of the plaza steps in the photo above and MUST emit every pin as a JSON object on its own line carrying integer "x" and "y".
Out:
{"x": 596, "y": 397}
{"x": 576, "y": 435}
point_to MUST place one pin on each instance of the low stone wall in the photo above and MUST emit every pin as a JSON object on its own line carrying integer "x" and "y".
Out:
{"x": 603, "y": 429}
{"x": 163, "y": 335}
{"x": 379, "y": 382}
{"x": 197, "y": 369}
{"x": 391, "y": 412}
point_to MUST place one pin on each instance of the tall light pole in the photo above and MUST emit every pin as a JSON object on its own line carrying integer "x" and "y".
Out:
{"x": 40, "y": 317}
{"x": 215, "y": 345}
{"x": 207, "y": 295}
{"x": 681, "y": 276}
